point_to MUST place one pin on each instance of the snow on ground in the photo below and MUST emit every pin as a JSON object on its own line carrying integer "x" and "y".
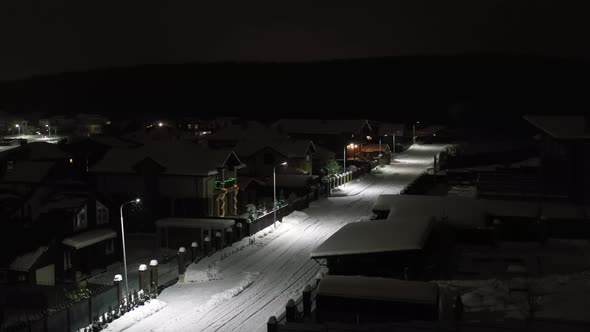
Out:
{"x": 253, "y": 282}
{"x": 136, "y": 315}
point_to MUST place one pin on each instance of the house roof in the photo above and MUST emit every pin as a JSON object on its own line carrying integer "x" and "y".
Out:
{"x": 44, "y": 151}
{"x": 286, "y": 147}
{"x": 175, "y": 157}
{"x": 377, "y": 288}
{"x": 32, "y": 172}
{"x": 323, "y": 153}
{"x": 24, "y": 262}
{"x": 375, "y": 148}
{"x": 384, "y": 128}
{"x": 65, "y": 201}
{"x": 89, "y": 238}
{"x": 376, "y": 236}
{"x": 245, "y": 181}
{"x": 195, "y": 223}
{"x": 320, "y": 126}
{"x": 251, "y": 130}
{"x": 562, "y": 126}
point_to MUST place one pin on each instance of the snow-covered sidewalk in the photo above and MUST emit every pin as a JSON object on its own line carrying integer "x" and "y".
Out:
{"x": 253, "y": 282}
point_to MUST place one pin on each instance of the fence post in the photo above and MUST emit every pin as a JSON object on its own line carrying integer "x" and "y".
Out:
{"x": 142, "y": 278}
{"x": 307, "y": 301}
{"x": 117, "y": 280}
{"x": 154, "y": 277}
{"x": 218, "y": 241}
{"x": 194, "y": 247}
{"x": 181, "y": 266}
{"x": 239, "y": 228}
{"x": 228, "y": 236}
{"x": 290, "y": 311}
{"x": 272, "y": 325}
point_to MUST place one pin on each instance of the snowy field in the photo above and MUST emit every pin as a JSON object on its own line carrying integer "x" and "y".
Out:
{"x": 241, "y": 287}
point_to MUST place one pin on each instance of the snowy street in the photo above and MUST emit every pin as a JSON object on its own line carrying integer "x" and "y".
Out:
{"x": 254, "y": 282}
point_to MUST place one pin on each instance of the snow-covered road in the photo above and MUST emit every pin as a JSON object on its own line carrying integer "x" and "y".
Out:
{"x": 254, "y": 283}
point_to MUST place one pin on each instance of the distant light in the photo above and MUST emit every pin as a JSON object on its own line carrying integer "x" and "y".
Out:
{"x": 356, "y": 146}
{"x": 46, "y": 125}
{"x": 17, "y": 125}
{"x": 284, "y": 163}
{"x": 108, "y": 122}
{"x": 71, "y": 161}
{"x": 369, "y": 138}
{"x": 385, "y": 134}
{"x": 160, "y": 124}
{"x": 137, "y": 200}
{"x": 434, "y": 134}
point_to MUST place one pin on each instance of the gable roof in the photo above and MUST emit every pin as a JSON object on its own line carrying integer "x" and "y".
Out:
{"x": 561, "y": 127}
{"x": 31, "y": 172}
{"x": 320, "y": 126}
{"x": 24, "y": 262}
{"x": 176, "y": 158}
{"x": 288, "y": 148}
{"x": 385, "y": 128}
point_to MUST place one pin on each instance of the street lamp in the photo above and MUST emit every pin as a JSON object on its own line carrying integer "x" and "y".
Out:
{"x": 344, "y": 161}
{"x": 136, "y": 201}
{"x": 274, "y": 184}
{"x": 414, "y": 132}
{"x": 18, "y": 126}
{"x": 48, "y": 129}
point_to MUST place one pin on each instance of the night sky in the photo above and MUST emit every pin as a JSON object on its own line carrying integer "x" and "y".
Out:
{"x": 40, "y": 37}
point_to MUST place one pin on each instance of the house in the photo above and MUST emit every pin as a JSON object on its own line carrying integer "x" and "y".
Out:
{"x": 71, "y": 239}
{"x": 333, "y": 134}
{"x": 262, "y": 156}
{"x": 379, "y": 152}
{"x": 173, "y": 178}
{"x": 564, "y": 149}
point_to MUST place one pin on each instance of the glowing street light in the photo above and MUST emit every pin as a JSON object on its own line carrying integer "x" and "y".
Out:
{"x": 18, "y": 126}
{"x": 160, "y": 124}
{"x": 135, "y": 201}
{"x": 48, "y": 129}
{"x": 274, "y": 181}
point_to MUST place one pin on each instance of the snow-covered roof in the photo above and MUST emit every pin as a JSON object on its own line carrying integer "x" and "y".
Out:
{"x": 376, "y": 236}
{"x": 64, "y": 201}
{"x": 195, "y": 223}
{"x": 176, "y": 158}
{"x": 384, "y": 128}
{"x": 377, "y": 288}
{"x": 287, "y": 147}
{"x": 459, "y": 211}
{"x": 320, "y": 126}
{"x": 23, "y": 263}
{"x": 28, "y": 171}
{"x": 44, "y": 151}
{"x": 89, "y": 238}
{"x": 251, "y": 130}
{"x": 561, "y": 126}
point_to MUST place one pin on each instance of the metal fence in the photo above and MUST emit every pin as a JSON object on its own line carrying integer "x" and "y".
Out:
{"x": 74, "y": 315}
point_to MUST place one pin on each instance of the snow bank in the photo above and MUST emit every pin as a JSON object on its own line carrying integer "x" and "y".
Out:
{"x": 295, "y": 217}
{"x": 218, "y": 298}
{"x": 132, "y": 317}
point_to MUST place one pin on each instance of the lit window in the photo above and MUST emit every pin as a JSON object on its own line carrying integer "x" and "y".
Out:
{"x": 80, "y": 220}
{"x": 190, "y": 126}
{"x": 369, "y": 138}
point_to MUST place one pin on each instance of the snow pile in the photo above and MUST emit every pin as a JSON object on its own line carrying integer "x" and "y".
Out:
{"x": 295, "y": 217}
{"x": 203, "y": 275}
{"x": 218, "y": 298}
{"x": 130, "y": 318}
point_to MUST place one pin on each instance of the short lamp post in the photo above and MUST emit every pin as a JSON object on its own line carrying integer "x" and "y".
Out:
{"x": 274, "y": 182}
{"x": 414, "y": 132}
{"x": 135, "y": 201}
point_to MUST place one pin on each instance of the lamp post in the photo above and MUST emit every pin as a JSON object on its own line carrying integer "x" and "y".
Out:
{"x": 18, "y": 127}
{"x": 274, "y": 184}
{"x": 137, "y": 200}
{"x": 344, "y": 161}
{"x": 48, "y": 129}
{"x": 414, "y": 132}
